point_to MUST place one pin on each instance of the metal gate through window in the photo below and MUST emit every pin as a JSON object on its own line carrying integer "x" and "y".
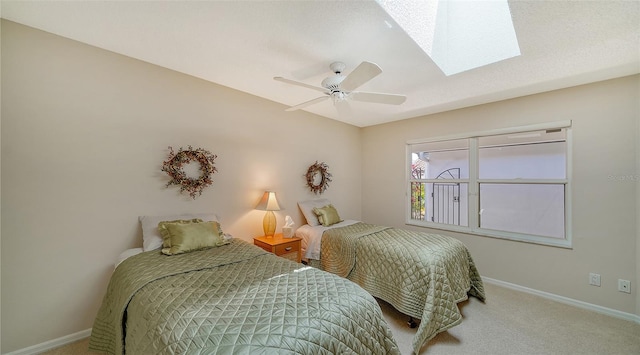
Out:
{"x": 445, "y": 198}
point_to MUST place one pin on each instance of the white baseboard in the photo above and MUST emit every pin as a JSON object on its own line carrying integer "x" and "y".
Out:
{"x": 588, "y": 306}
{"x": 52, "y": 344}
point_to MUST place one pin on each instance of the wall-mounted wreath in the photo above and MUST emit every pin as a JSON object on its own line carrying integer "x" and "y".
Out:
{"x": 174, "y": 168}
{"x": 318, "y": 177}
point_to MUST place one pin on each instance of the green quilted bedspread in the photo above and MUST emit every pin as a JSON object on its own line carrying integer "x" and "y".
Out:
{"x": 235, "y": 299}
{"x": 422, "y": 275}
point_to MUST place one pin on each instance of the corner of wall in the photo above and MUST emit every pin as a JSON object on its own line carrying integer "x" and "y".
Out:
{"x": 0, "y": 176}
{"x": 638, "y": 209}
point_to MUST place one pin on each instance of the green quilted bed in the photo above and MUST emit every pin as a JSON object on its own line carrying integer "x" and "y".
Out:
{"x": 422, "y": 275}
{"x": 235, "y": 299}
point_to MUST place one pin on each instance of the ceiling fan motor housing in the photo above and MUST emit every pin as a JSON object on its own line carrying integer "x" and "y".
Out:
{"x": 332, "y": 83}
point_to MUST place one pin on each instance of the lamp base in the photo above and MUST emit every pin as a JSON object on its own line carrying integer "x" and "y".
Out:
{"x": 269, "y": 224}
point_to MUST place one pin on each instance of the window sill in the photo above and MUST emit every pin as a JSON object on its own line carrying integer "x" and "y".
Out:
{"x": 531, "y": 239}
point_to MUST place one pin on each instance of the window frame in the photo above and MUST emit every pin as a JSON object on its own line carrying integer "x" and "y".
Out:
{"x": 473, "y": 183}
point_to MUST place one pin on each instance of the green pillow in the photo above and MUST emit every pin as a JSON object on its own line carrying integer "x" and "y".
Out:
{"x": 166, "y": 241}
{"x": 327, "y": 215}
{"x": 186, "y": 237}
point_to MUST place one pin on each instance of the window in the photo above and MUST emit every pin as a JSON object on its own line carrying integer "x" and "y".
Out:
{"x": 511, "y": 184}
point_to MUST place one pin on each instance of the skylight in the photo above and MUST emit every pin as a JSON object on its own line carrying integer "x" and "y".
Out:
{"x": 458, "y": 35}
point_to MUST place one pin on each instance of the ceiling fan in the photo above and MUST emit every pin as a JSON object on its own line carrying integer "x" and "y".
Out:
{"x": 340, "y": 88}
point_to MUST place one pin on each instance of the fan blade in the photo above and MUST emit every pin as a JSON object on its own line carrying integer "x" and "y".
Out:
{"x": 360, "y": 75}
{"x": 380, "y": 98}
{"x": 289, "y": 81}
{"x": 308, "y": 103}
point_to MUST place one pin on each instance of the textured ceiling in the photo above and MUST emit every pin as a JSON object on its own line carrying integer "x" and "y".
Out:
{"x": 244, "y": 44}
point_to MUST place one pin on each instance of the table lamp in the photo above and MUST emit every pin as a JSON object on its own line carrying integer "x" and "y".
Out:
{"x": 269, "y": 203}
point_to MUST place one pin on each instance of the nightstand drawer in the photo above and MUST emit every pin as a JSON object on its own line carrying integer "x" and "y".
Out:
{"x": 286, "y": 248}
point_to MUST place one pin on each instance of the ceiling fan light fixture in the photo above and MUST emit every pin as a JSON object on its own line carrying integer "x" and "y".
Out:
{"x": 338, "y": 96}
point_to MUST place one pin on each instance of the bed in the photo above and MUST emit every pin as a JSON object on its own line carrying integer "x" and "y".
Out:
{"x": 422, "y": 275}
{"x": 233, "y": 297}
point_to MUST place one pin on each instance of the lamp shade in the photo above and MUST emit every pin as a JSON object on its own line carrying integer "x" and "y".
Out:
{"x": 269, "y": 202}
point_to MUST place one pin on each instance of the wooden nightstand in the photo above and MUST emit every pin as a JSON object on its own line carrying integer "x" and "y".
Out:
{"x": 288, "y": 248}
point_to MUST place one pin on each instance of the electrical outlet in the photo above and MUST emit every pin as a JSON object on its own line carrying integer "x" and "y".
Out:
{"x": 624, "y": 285}
{"x": 594, "y": 279}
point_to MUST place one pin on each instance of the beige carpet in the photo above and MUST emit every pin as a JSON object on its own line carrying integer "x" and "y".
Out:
{"x": 513, "y": 323}
{"x": 510, "y": 322}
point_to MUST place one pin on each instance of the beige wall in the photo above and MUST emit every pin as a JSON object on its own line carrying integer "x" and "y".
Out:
{"x": 605, "y": 235}
{"x": 84, "y": 134}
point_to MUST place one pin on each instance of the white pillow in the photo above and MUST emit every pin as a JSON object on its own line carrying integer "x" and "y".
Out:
{"x": 126, "y": 254}
{"x": 307, "y": 210}
{"x": 151, "y": 238}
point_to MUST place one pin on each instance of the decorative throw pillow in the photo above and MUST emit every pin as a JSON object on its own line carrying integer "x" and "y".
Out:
{"x": 164, "y": 232}
{"x": 327, "y": 215}
{"x": 186, "y": 237}
{"x": 307, "y": 210}
{"x": 151, "y": 238}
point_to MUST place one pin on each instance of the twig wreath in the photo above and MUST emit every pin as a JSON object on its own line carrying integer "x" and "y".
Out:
{"x": 315, "y": 170}
{"x": 173, "y": 168}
